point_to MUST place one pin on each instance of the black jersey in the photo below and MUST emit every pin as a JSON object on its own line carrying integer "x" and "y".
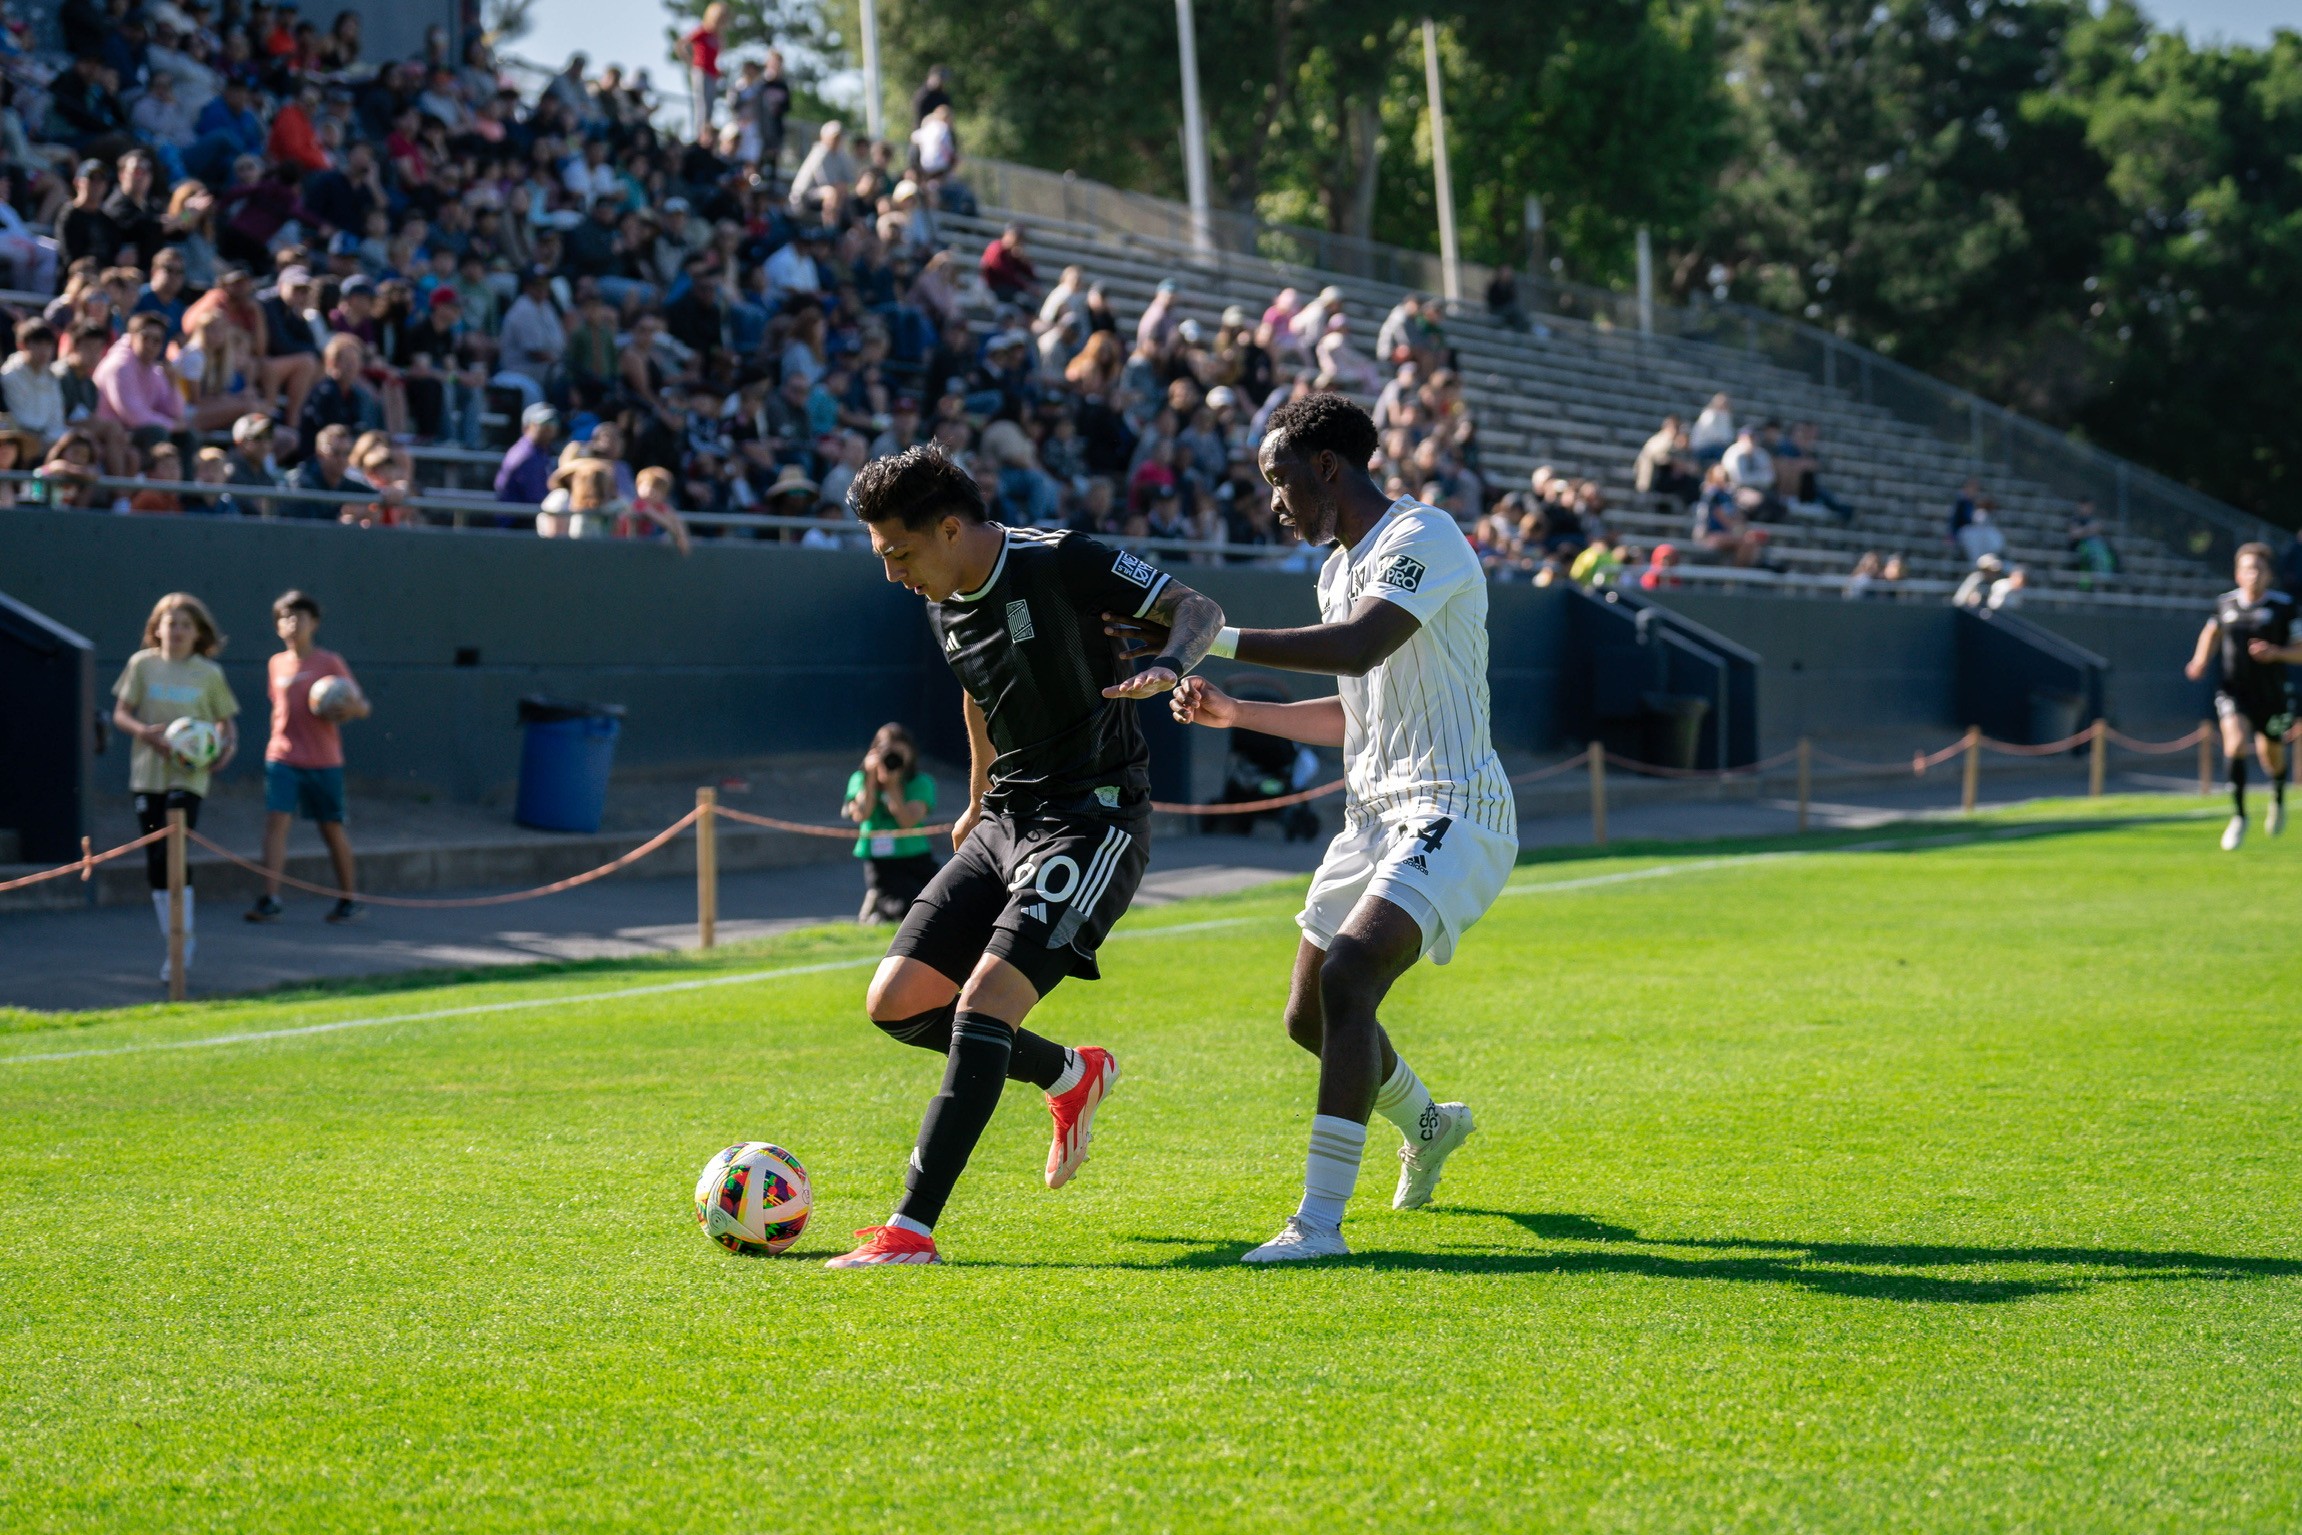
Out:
{"x": 1029, "y": 648}
{"x": 2242, "y": 622}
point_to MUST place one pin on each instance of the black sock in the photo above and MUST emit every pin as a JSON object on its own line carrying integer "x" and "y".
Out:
{"x": 2238, "y": 783}
{"x": 974, "y": 1073}
{"x": 1035, "y": 1059}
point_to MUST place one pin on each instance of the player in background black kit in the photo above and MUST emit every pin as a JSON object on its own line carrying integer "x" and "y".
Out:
{"x": 1056, "y": 830}
{"x": 2253, "y": 626}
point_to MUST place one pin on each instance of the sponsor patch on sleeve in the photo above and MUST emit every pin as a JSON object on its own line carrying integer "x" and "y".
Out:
{"x": 1128, "y": 568}
{"x": 1403, "y": 572}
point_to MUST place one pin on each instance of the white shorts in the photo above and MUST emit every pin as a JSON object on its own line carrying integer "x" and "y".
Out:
{"x": 1442, "y": 871}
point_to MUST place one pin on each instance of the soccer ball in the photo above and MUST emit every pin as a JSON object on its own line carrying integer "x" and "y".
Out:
{"x": 330, "y": 696}
{"x": 194, "y": 741}
{"x": 753, "y": 1199}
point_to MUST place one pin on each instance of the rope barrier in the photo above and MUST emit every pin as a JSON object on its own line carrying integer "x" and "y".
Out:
{"x": 554, "y": 888}
{"x": 1537, "y": 775}
{"x": 808, "y": 829}
{"x": 1657, "y": 770}
{"x": 85, "y": 864}
{"x": 2120, "y": 738}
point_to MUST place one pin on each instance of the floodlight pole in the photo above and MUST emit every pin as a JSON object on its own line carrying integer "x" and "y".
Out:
{"x": 1450, "y": 266}
{"x": 874, "y": 115}
{"x": 1194, "y": 129}
{"x": 1646, "y": 251}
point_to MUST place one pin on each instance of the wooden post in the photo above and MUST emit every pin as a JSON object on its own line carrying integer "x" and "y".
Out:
{"x": 1973, "y": 782}
{"x": 1598, "y": 794}
{"x": 2205, "y": 761}
{"x": 2097, "y": 759}
{"x": 176, "y": 850}
{"x": 707, "y": 867}
{"x": 1805, "y": 778}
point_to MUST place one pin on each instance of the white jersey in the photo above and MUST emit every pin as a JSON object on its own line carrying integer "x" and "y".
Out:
{"x": 1415, "y": 735}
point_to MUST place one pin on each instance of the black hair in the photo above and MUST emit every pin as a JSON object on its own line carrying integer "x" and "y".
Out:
{"x": 1324, "y": 423}
{"x": 295, "y": 601}
{"x": 918, "y": 487}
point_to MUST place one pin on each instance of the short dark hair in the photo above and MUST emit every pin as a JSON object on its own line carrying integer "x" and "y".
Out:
{"x": 296, "y": 601}
{"x": 35, "y": 330}
{"x": 918, "y": 487}
{"x": 1324, "y": 423}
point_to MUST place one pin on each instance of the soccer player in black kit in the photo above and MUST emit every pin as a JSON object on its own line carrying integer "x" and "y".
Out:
{"x": 1055, "y": 835}
{"x": 2253, "y": 626}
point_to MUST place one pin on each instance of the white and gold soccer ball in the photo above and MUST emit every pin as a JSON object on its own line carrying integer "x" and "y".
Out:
{"x": 330, "y": 697}
{"x": 195, "y": 742}
{"x": 753, "y": 1199}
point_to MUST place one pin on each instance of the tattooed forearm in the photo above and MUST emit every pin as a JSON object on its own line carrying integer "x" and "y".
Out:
{"x": 1192, "y": 621}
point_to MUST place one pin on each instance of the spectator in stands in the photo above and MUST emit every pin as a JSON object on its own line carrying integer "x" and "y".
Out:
{"x": 934, "y": 92}
{"x": 1343, "y": 365}
{"x": 75, "y": 375}
{"x": 525, "y": 475}
{"x": 1865, "y": 576}
{"x": 341, "y": 398}
{"x": 137, "y": 210}
{"x": 827, "y": 168}
{"x": 252, "y": 464}
{"x": 533, "y": 339}
{"x": 1503, "y": 299}
{"x": 2007, "y": 591}
{"x": 1750, "y": 470}
{"x": 31, "y": 257}
{"x": 1798, "y": 474}
{"x": 1661, "y": 571}
{"x": 1962, "y": 507}
{"x": 1666, "y": 465}
{"x": 68, "y": 476}
{"x": 28, "y": 384}
{"x": 1720, "y": 524}
{"x": 935, "y": 147}
{"x": 329, "y": 468}
{"x": 1007, "y": 271}
{"x": 1714, "y": 430}
{"x": 1981, "y": 535}
{"x": 1974, "y": 590}
{"x": 84, "y": 229}
{"x": 135, "y": 385}
{"x": 699, "y": 51}
{"x": 2089, "y": 542}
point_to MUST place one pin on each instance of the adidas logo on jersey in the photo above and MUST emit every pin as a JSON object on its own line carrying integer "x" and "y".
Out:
{"x": 951, "y": 643}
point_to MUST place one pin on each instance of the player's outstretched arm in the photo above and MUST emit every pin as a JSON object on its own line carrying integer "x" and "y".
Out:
{"x": 1351, "y": 648}
{"x": 1189, "y": 622}
{"x": 2206, "y": 638}
{"x": 1314, "y": 722}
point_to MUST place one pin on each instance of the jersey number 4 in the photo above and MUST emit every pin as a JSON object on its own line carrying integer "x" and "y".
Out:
{"x": 1434, "y": 833}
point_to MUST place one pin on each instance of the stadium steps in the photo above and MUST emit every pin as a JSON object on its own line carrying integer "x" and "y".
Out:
{"x": 1584, "y": 401}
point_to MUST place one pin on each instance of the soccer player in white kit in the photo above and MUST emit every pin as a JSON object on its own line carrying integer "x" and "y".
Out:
{"x": 1430, "y": 830}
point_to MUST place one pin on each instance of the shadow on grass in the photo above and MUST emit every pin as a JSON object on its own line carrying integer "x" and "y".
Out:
{"x": 1855, "y": 1270}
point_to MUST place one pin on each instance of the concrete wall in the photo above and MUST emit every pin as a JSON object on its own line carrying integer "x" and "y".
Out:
{"x": 748, "y": 650}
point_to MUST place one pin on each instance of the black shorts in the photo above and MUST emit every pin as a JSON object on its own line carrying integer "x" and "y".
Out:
{"x": 2266, "y": 709}
{"x": 1038, "y": 890}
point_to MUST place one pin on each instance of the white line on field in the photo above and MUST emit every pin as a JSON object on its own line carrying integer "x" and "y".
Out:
{"x": 574, "y": 999}
{"x": 665, "y": 988}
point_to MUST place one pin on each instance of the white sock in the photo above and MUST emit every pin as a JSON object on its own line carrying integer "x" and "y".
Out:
{"x": 906, "y": 1223}
{"x": 191, "y": 936}
{"x": 1330, "y": 1170}
{"x": 1406, "y": 1102}
{"x": 160, "y": 911}
{"x": 1073, "y": 1069}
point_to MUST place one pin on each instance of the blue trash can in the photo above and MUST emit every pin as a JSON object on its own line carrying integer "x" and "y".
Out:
{"x": 566, "y": 750}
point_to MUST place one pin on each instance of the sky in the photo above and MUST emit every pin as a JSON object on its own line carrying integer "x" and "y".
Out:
{"x": 630, "y": 32}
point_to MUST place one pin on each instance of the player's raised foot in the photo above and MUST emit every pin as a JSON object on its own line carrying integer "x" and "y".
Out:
{"x": 1298, "y": 1242}
{"x": 887, "y": 1244}
{"x": 2275, "y": 821}
{"x": 1419, "y": 1165}
{"x": 2233, "y": 834}
{"x": 1074, "y": 1114}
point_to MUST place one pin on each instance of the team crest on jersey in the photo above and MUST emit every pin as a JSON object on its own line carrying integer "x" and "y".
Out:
{"x": 1128, "y": 568}
{"x": 1107, "y": 796}
{"x": 1019, "y": 621}
{"x": 1404, "y": 573}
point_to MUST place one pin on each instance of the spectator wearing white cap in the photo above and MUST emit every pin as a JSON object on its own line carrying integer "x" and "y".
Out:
{"x": 828, "y": 164}
{"x": 1309, "y": 325}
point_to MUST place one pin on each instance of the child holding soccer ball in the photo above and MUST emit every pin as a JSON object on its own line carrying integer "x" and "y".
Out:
{"x": 173, "y": 677}
{"x": 304, "y": 759}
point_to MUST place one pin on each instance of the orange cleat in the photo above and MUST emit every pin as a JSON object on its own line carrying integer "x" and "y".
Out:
{"x": 887, "y": 1244}
{"x": 1074, "y": 1112}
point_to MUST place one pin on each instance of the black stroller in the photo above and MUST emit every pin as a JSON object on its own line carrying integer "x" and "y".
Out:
{"x": 1265, "y": 767}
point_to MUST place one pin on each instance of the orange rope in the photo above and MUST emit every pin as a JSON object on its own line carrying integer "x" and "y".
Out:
{"x": 554, "y": 888}
{"x": 85, "y": 864}
{"x": 806, "y": 829}
{"x": 1655, "y": 770}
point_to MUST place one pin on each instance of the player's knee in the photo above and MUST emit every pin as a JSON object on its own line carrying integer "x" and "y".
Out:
{"x": 1350, "y": 976}
{"x": 901, "y": 990}
{"x": 1304, "y": 1023}
{"x": 930, "y": 1030}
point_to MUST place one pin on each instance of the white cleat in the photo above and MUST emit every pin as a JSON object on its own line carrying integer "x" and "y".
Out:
{"x": 1420, "y": 1165}
{"x": 2275, "y": 821}
{"x": 1297, "y": 1242}
{"x": 2233, "y": 834}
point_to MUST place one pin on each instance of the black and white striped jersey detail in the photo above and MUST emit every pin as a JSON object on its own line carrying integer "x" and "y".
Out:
{"x": 1092, "y": 884}
{"x": 1416, "y": 735}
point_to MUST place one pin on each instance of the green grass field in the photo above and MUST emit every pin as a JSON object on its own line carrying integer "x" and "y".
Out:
{"x": 1950, "y": 1183}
